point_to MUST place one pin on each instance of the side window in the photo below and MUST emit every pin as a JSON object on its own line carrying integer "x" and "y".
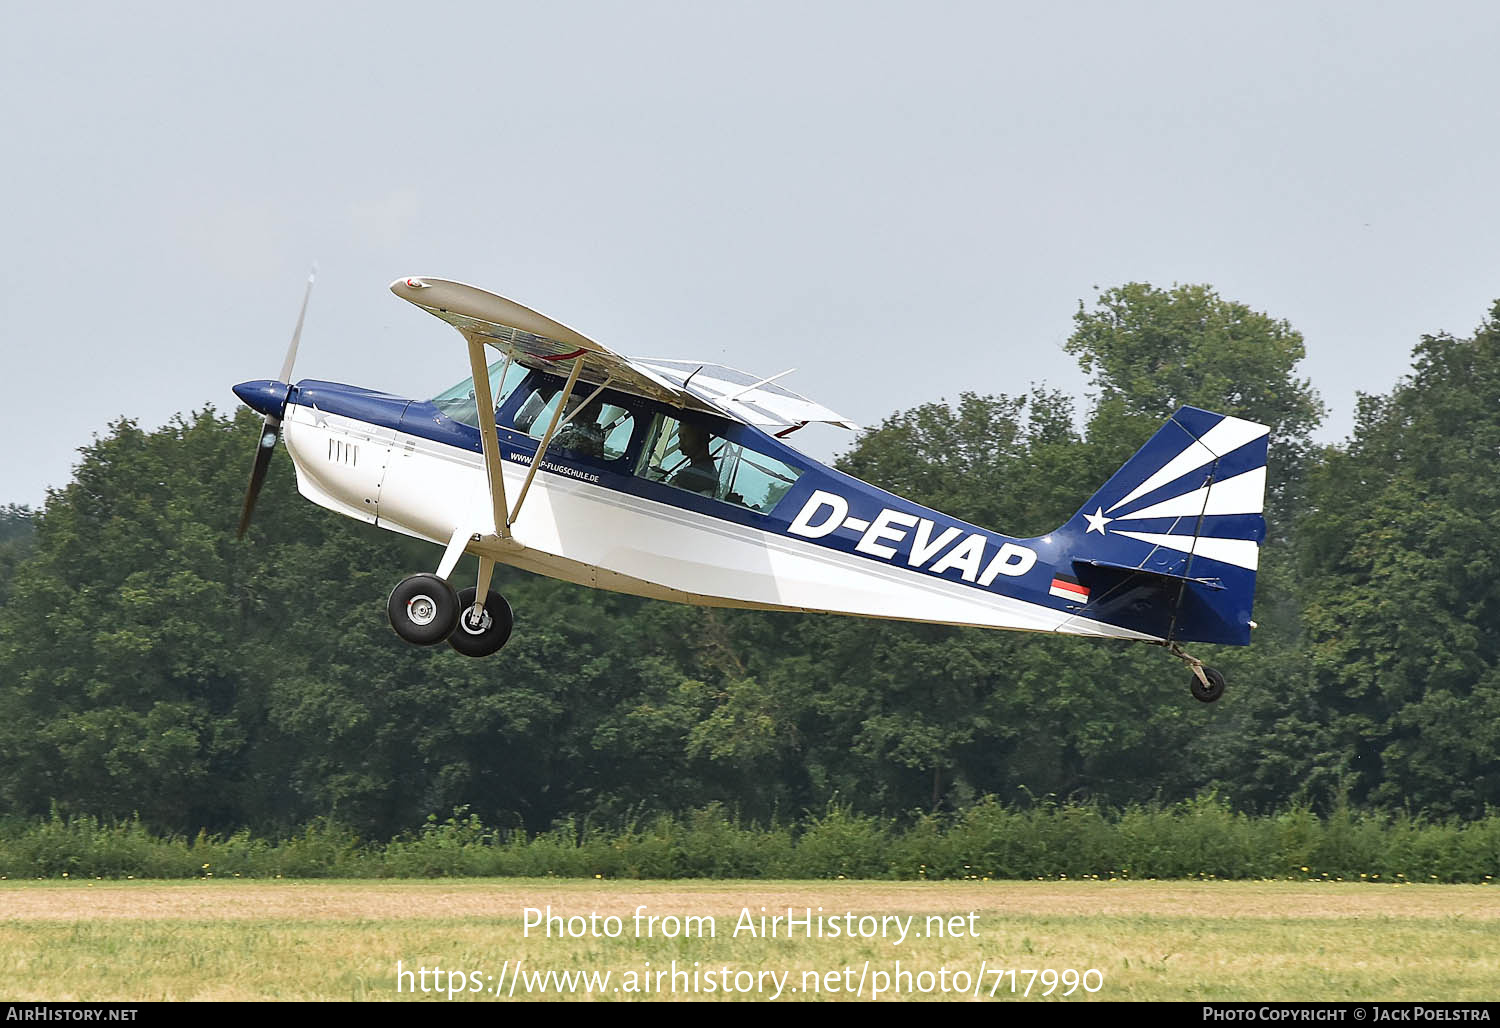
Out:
{"x": 535, "y": 412}
{"x": 618, "y": 425}
{"x": 683, "y": 455}
{"x": 755, "y": 480}
{"x": 595, "y": 430}
{"x": 687, "y": 455}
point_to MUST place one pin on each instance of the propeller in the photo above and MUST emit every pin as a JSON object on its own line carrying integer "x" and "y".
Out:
{"x": 271, "y": 429}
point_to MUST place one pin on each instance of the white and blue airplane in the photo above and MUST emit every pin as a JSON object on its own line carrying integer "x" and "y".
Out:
{"x": 670, "y": 479}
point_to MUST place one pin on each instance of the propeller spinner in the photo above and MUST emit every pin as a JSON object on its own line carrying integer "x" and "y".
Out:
{"x": 270, "y": 399}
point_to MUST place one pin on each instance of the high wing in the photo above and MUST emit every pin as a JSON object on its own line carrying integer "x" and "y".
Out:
{"x": 742, "y": 396}
{"x": 538, "y": 342}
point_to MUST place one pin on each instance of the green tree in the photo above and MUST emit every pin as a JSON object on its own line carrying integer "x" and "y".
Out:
{"x": 1401, "y": 553}
{"x": 16, "y": 522}
{"x": 955, "y": 712}
{"x": 160, "y": 666}
{"x": 1149, "y": 351}
{"x": 17, "y": 538}
{"x": 1058, "y": 715}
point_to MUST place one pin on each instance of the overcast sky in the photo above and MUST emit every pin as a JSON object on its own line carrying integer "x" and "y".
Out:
{"x": 902, "y": 200}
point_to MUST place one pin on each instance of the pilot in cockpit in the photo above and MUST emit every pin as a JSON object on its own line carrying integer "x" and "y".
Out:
{"x": 700, "y": 474}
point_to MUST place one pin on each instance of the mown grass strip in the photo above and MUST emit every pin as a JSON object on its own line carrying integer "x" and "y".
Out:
{"x": 1149, "y": 941}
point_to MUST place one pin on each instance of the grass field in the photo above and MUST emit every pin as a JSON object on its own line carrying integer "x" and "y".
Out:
{"x": 318, "y": 940}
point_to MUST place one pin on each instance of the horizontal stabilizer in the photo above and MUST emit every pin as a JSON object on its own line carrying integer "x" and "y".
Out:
{"x": 1207, "y": 583}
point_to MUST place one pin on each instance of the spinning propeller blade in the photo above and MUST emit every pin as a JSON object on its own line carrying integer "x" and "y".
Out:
{"x": 271, "y": 429}
{"x": 268, "y": 439}
{"x": 291, "y": 351}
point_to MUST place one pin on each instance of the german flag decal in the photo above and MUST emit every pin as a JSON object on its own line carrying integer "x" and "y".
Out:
{"x": 1066, "y": 587}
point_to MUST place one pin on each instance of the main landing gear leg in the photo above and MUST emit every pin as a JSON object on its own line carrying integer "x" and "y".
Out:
{"x": 1207, "y": 684}
{"x": 485, "y": 623}
{"x": 482, "y": 586}
{"x": 425, "y": 610}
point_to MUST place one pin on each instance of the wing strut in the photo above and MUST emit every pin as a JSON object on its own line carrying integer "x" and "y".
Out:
{"x": 541, "y": 447}
{"x": 491, "y": 439}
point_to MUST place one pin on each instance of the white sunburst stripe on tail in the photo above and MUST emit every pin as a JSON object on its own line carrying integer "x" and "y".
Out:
{"x": 1242, "y": 494}
{"x": 1244, "y": 553}
{"x": 1225, "y": 437}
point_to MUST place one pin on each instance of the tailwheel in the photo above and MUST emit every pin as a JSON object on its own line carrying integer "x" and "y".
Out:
{"x": 481, "y": 637}
{"x": 423, "y": 609}
{"x": 1207, "y": 684}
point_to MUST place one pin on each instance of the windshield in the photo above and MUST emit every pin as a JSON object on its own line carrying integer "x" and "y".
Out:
{"x": 457, "y": 402}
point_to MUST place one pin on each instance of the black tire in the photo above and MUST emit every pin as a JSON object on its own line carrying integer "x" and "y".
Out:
{"x": 1215, "y": 687}
{"x": 490, "y": 636}
{"x": 423, "y": 609}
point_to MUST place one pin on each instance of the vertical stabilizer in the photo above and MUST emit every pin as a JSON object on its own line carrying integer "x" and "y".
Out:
{"x": 1171, "y": 544}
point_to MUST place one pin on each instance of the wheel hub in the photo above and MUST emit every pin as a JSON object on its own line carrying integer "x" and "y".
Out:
{"x": 421, "y": 610}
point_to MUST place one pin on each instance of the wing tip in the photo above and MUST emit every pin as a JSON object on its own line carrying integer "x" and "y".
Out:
{"x": 407, "y": 287}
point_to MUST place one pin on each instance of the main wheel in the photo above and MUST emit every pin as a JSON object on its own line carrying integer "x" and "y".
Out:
{"x": 1213, "y": 690}
{"x": 492, "y": 631}
{"x": 423, "y": 609}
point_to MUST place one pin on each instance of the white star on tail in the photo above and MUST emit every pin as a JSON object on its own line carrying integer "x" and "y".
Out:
{"x": 1097, "y": 521}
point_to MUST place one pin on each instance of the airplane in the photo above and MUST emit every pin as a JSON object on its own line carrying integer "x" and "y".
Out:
{"x": 672, "y": 479}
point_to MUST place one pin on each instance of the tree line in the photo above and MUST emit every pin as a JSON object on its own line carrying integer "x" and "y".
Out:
{"x": 152, "y": 665}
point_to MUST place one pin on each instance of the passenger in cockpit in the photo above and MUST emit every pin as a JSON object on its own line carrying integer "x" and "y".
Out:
{"x": 584, "y": 435}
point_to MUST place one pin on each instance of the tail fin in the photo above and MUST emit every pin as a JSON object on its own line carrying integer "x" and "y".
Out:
{"x": 1170, "y": 545}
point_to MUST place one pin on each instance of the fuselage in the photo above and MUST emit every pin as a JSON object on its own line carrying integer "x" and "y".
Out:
{"x": 778, "y": 531}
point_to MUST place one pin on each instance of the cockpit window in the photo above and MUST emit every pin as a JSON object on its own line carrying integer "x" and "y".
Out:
{"x": 593, "y": 430}
{"x": 689, "y": 456}
{"x": 458, "y": 402}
